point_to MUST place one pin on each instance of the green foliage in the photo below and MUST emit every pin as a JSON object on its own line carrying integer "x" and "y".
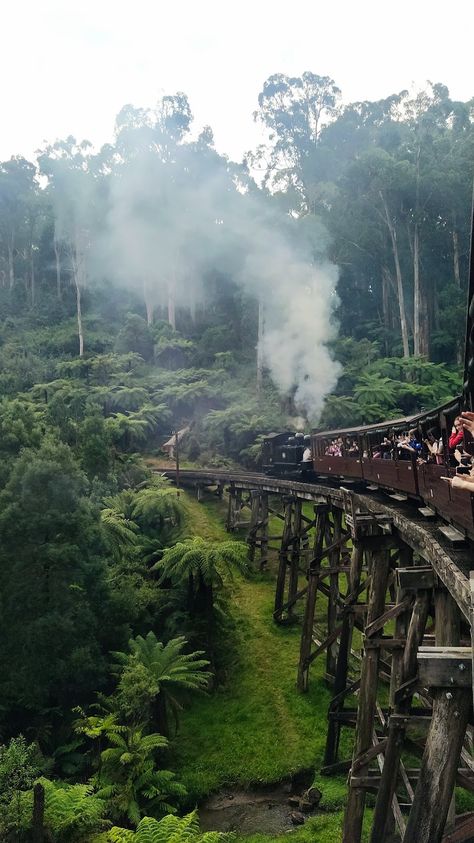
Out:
{"x": 18, "y": 769}
{"x": 167, "y": 830}
{"x": 154, "y": 670}
{"x": 94, "y": 446}
{"x": 135, "y": 336}
{"x": 209, "y": 562}
{"x": 50, "y": 549}
{"x": 72, "y": 812}
{"x": 153, "y": 512}
{"x": 129, "y": 779}
{"x": 134, "y": 429}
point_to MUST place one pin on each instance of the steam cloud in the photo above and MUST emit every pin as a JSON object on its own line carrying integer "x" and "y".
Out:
{"x": 167, "y": 226}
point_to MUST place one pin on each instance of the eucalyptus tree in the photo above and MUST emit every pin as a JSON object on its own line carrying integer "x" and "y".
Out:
{"x": 18, "y": 195}
{"x": 294, "y": 111}
{"x": 73, "y": 174}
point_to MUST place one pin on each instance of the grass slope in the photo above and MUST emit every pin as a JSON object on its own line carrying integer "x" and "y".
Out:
{"x": 256, "y": 727}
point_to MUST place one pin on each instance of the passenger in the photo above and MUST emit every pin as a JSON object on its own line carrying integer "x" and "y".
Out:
{"x": 432, "y": 447}
{"x": 411, "y": 444}
{"x": 456, "y": 438}
{"x": 353, "y": 449}
{"x": 334, "y": 449}
{"x": 386, "y": 447}
{"x": 307, "y": 455}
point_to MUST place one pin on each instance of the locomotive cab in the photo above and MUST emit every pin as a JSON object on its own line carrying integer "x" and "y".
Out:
{"x": 283, "y": 455}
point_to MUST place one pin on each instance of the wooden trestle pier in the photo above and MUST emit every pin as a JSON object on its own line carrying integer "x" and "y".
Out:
{"x": 368, "y": 571}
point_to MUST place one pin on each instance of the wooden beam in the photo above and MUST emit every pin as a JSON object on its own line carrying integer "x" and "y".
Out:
{"x": 391, "y": 613}
{"x": 445, "y": 667}
{"x": 414, "y": 579}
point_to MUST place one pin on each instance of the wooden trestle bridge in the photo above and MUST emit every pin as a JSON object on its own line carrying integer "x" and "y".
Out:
{"x": 375, "y": 564}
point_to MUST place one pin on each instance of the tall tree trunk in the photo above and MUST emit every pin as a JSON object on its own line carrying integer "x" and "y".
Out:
{"x": 57, "y": 255}
{"x": 11, "y": 270}
{"x": 149, "y": 306}
{"x": 261, "y": 331}
{"x": 457, "y": 272}
{"x": 32, "y": 279}
{"x": 386, "y": 312}
{"x": 416, "y": 292}
{"x": 171, "y": 305}
{"x": 78, "y": 272}
{"x": 79, "y": 317}
{"x": 398, "y": 273}
{"x": 420, "y": 308}
{"x": 38, "y": 813}
{"x": 161, "y": 715}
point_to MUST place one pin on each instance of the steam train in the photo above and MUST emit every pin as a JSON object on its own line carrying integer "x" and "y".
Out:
{"x": 359, "y": 455}
{"x": 362, "y": 461}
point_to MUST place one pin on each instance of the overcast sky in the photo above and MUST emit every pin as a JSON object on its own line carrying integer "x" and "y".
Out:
{"x": 68, "y": 67}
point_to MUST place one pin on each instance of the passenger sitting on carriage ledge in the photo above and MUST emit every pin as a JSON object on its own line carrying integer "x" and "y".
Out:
{"x": 456, "y": 438}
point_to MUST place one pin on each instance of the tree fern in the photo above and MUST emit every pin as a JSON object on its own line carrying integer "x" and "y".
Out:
{"x": 196, "y": 556}
{"x": 153, "y": 670}
{"x": 167, "y": 830}
{"x": 120, "y": 532}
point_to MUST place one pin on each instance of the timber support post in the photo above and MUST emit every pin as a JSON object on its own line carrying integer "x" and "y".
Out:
{"x": 289, "y": 558}
{"x": 234, "y": 510}
{"x": 354, "y": 813}
{"x": 258, "y": 532}
{"x": 334, "y": 562}
{"x": 311, "y": 594}
{"x": 434, "y": 789}
{"x": 295, "y": 555}
{"x": 283, "y": 559}
{"x": 342, "y": 665}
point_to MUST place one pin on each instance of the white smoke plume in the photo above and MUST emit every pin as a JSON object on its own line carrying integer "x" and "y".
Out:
{"x": 168, "y": 224}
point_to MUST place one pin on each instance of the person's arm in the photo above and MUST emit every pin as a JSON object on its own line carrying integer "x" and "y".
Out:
{"x": 456, "y": 438}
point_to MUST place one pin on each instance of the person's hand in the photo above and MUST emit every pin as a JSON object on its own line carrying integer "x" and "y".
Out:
{"x": 467, "y": 421}
{"x": 446, "y": 479}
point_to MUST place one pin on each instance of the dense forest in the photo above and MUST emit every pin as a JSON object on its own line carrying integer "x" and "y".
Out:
{"x": 155, "y": 285}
